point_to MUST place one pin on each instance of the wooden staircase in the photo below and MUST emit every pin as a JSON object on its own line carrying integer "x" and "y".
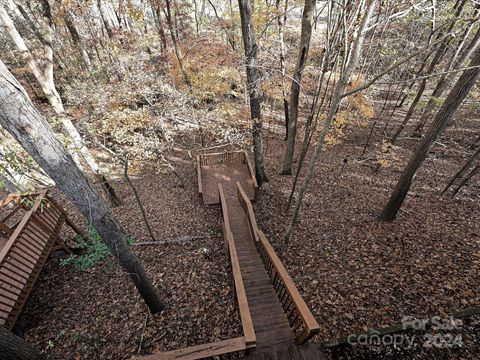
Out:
{"x": 275, "y": 319}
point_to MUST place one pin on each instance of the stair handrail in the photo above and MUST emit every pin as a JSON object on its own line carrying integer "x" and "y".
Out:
{"x": 299, "y": 316}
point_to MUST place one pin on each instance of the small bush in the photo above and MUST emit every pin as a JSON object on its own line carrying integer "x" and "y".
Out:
{"x": 95, "y": 251}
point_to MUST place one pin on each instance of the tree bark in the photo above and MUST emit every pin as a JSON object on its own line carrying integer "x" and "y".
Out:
{"x": 444, "y": 81}
{"x": 460, "y": 174}
{"x": 337, "y": 97}
{"x": 437, "y": 58}
{"x": 281, "y": 19}
{"x": 173, "y": 35}
{"x": 20, "y": 118}
{"x": 253, "y": 87}
{"x": 306, "y": 34}
{"x": 13, "y": 347}
{"x": 138, "y": 200}
{"x": 44, "y": 77}
{"x": 158, "y": 17}
{"x": 105, "y": 19}
{"x": 454, "y": 99}
{"x": 230, "y": 37}
{"x": 77, "y": 40}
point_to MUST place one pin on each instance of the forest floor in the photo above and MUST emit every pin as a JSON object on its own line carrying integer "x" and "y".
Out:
{"x": 359, "y": 273}
{"x": 355, "y": 272}
{"x": 98, "y": 314}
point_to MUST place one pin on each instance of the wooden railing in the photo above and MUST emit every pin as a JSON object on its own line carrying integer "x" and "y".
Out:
{"x": 299, "y": 315}
{"x": 231, "y": 157}
{"x": 23, "y": 255}
{"x": 224, "y": 158}
{"x": 250, "y": 169}
{"x": 247, "y": 207}
{"x": 241, "y": 295}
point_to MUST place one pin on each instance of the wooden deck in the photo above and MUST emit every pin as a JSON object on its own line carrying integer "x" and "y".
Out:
{"x": 276, "y": 321}
{"x": 225, "y": 169}
{"x": 23, "y": 254}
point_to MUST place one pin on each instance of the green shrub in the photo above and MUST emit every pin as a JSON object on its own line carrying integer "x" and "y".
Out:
{"x": 95, "y": 251}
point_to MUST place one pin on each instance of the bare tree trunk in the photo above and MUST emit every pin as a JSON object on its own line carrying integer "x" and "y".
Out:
{"x": 454, "y": 99}
{"x": 463, "y": 170}
{"x": 158, "y": 17}
{"x": 45, "y": 79}
{"x": 253, "y": 87}
{"x": 20, "y": 118}
{"x": 337, "y": 97}
{"x": 230, "y": 37}
{"x": 281, "y": 19}
{"x": 466, "y": 179}
{"x": 168, "y": 15}
{"x": 139, "y": 201}
{"x": 437, "y": 58}
{"x": 13, "y": 347}
{"x": 77, "y": 40}
{"x": 444, "y": 81}
{"x": 105, "y": 19}
{"x": 307, "y": 23}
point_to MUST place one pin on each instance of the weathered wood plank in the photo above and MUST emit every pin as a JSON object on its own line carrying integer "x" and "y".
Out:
{"x": 201, "y": 351}
{"x": 247, "y": 207}
{"x": 23, "y": 255}
{"x": 245, "y": 316}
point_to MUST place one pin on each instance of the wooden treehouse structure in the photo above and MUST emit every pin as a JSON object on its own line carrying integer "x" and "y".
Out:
{"x": 29, "y": 232}
{"x": 276, "y": 321}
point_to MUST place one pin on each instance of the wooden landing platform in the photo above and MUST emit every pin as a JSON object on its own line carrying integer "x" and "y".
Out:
{"x": 224, "y": 168}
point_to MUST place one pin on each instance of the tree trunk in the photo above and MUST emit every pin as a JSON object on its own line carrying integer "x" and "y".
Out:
{"x": 437, "y": 58}
{"x": 460, "y": 174}
{"x": 20, "y": 118}
{"x": 158, "y": 17}
{"x": 337, "y": 97}
{"x": 77, "y": 40}
{"x": 466, "y": 179}
{"x": 13, "y": 347}
{"x": 281, "y": 19}
{"x": 230, "y": 37}
{"x": 444, "y": 81}
{"x": 253, "y": 87}
{"x": 45, "y": 79}
{"x": 307, "y": 23}
{"x": 443, "y": 117}
{"x": 105, "y": 19}
{"x": 173, "y": 35}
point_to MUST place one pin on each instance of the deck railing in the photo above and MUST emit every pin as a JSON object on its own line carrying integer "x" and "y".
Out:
{"x": 23, "y": 255}
{"x": 241, "y": 295}
{"x": 299, "y": 315}
{"x": 225, "y": 158}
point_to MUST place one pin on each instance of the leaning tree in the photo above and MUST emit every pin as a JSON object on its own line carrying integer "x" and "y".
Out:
{"x": 253, "y": 86}
{"x": 21, "y": 119}
{"x": 452, "y": 102}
